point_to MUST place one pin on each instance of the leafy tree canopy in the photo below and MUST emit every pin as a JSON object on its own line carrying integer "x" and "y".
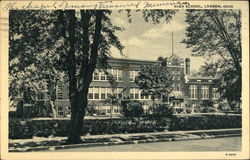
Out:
{"x": 217, "y": 34}
{"x": 154, "y": 80}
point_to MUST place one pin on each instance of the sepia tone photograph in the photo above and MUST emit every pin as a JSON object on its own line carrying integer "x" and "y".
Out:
{"x": 150, "y": 82}
{"x": 118, "y": 80}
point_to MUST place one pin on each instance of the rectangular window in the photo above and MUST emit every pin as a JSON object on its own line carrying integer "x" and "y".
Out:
{"x": 60, "y": 111}
{"x": 91, "y": 93}
{"x": 120, "y": 77}
{"x": 96, "y": 75}
{"x": 96, "y": 92}
{"x": 173, "y": 74}
{"x": 115, "y": 74}
{"x": 131, "y": 93}
{"x": 119, "y": 92}
{"x": 131, "y": 76}
{"x": 204, "y": 91}
{"x": 103, "y": 76}
{"x": 136, "y": 93}
{"x": 178, "y": 86}
{"x": 135, "y": 74}
{"x": 140, "y": 94}
{"x": 215, "y": 93}
{"x": 109, "y": 91}
{"x": 59, "y": 92}
{"x": 193, "y": 91}
{"x": 103, "y": 93}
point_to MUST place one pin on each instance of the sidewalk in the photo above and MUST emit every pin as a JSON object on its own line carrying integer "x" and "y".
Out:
{"x": 54, "y": 143}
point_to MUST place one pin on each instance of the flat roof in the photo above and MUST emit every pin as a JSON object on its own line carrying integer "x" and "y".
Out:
{"x": 133, "y": 60}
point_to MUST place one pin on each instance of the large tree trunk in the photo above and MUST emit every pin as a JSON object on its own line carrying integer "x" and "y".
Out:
{"x": 78, "y": 87}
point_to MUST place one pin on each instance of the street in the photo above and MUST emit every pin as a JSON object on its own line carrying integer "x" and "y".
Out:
{"x": 216, "y": 144}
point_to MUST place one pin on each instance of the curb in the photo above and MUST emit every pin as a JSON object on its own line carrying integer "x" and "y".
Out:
{"x": 153, "y": 140}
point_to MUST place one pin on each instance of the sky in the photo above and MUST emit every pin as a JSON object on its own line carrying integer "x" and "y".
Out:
{"x": 147, "y": 41}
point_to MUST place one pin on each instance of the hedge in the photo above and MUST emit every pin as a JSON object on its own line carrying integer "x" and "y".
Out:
{"x": 46, "y": 128}
{"x": 205, "y": 122}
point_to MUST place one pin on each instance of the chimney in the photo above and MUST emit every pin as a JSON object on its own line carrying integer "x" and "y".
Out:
{"x": 187, "y": 62}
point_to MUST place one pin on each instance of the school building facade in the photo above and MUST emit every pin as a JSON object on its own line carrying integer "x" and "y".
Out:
{"x": 185, "y": 87}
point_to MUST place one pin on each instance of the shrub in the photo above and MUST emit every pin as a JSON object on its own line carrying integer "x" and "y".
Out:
{"x": 162, "y": 111}
{"x": 20, "y": 130}
{"x": 207, "y": 103}
{"x": 197, "y": 109}
{"x": 205, "y": 122}
{"x": 132, "y": 109}
{"x": 189, "y": 110}
{"x": 207, "y": 109}
{"x": 179, "y": 110}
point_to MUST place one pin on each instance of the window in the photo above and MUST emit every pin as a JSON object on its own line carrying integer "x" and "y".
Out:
{"x": 215, "y": 93}
{"x": 109, "y": 91}
{"x": 91, "y": 93}
{"x": 96, "y": 75}
{"x": 96, "y": 92}
{"x": 193, "y": 91}
{"x": 120, "y": 75}
{"x": 177, "y": 87}
{"x": 131, "y": 91}
{"x": 115, "y": 74}
{"x": 59, "y": 92}
{"x": 136, "y": 93}
{"x": 131, "y": 76}
{"x": 136, "y": 74}
{"x": 204, "y": 92}
{"x": 178, "y": 77}
{"x": 103, "y": 93}
{"x": 119, "y": 92}
{"x": 141, "y": 96}
{"x": 60, "y": 111}
{"x": 173, "y": 74}
{"x": 103, "y": 76}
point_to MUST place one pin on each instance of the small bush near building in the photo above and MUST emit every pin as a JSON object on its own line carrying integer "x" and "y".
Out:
{"x": 162, "y": 111}
{"x": 178, "y": 110}
{"x": 132, "y": 109}
{"x": 207, "y": 109}
{"x": 207, "y": 103}
{"x": 205, "y": 122}
{"x": 188, "y": 110}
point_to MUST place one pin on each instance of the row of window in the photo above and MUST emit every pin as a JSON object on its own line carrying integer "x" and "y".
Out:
{"x": 117, "y": 74}
{"x": 204, "y": 92}
{"x": 101, "y": 76}
{"x": 103, "y": 92}
{"x": 135, "y": 93}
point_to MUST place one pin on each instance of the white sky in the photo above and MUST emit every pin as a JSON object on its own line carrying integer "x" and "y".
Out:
{"x": 147, "y": 41}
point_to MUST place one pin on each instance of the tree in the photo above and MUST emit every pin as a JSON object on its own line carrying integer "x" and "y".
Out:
{"x": 97, "y": 36}
{"x": 218, "y": 33}
{"x": 32, "y": 59}
{"x": 154, "y": 80}
{"x": 85, "y": 38}
{"x": 114, "y": 99}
